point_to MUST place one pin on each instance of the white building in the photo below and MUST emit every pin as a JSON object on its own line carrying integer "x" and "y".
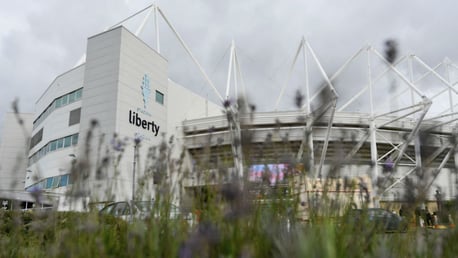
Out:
{"x": 13, "y": 156}
{"x": 92, "y": 114}
{"x": 98, "y": 130}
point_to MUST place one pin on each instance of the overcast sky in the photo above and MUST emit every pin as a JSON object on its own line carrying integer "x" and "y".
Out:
{"x": 42, "y": 39}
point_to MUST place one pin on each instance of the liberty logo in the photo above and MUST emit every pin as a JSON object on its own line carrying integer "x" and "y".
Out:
{"x": 146, "y": 90}
{"x": 135, "y": 119}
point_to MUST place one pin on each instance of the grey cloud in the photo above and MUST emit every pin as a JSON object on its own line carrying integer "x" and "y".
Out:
{"x": 266, "y": 33}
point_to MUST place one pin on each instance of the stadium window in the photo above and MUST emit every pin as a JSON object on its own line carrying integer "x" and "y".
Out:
{"x": 36, "y": 138}
{"x": 63, "y": 180}
{"x": 71, "y": 97}
{"x": 64, "y": 100}
{"x": 75, "y": 139}
{"x": 78, "y": 94}
{"x": 58, "y": 103}
{"x": 49, "y": 183}
{"x": 55, "y": 182}
{"x": 60, "y": 143}
{"x": 67, "y": 141}
{"x": 159, "y": 97}
{"x": 74, "y": 117}
{"x": 53, "y": 146}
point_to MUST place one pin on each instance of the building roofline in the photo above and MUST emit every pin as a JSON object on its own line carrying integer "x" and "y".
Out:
{"x": 98, "y": 34}
{"x": 55, "y": 79}
{"x": 130, "y": 32}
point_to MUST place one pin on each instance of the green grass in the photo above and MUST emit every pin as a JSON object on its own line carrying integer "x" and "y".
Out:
{"x": 232, "y": 222}
{"x": 258, "y": 231}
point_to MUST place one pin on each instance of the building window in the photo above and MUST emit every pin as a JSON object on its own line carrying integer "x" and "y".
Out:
{"x": 72, "y": 97}
{"x": 78, "y": 94}
{"x": 63, "y": 142}
{"x": 67, "y": 141}
{"x": 48, "y": 183}
{"x": 75, "y": 116}
{"x": 63, "y": 180}
{"x": 53, "y": 146}
{"x": 55, "y": 182}
{"x": 60, "y": 143}
{"x": 64, "y": 100}
{"x": 57, "y": 103}
{"x": 36, "y": 138}
{"x": 159, "y": 97}
{"x": 75, "y": 139}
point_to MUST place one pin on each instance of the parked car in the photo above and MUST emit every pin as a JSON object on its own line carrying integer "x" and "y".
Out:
{"x": 131, "y": 210}
{"x": 378, "y": 219}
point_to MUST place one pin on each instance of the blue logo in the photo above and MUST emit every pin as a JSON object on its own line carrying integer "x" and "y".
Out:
{"x": 146, "y": 90}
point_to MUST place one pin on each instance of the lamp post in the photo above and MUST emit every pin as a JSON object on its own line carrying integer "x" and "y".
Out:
{"x": 136, "y": 143}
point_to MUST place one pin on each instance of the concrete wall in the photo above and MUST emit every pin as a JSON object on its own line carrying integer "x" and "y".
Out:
{"x": 13, "y": 152}
{"x": 55, "y": 126}
{"x": 117, "y": 64}
{"x": 117, "y": 97}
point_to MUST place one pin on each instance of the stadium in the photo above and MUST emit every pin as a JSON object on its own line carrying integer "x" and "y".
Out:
{"x": 386, "y": 121}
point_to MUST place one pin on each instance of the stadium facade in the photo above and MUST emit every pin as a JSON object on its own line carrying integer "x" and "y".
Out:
{"x": 120, "y": 102}
{"x": 106, "y": 122}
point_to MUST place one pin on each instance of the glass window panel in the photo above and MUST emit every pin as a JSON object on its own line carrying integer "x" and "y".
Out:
{"x": 53, "y": 146}
{"x": 67, "y": 141}
{"x": 60, "y": 143}
{"x": 63, "y": 180}
{"x": 49, "y": 183}
{"x": 55, "y": 182}
{"x": 78, "y": 94}
{"x": 74, "y": 117}
{"x": 64, "y": 100}
{"x": 72, "y": 97}
{"x": 58, "y": 103}
{"x": 159, "y": 97}
{"x": 75, "y": 139}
